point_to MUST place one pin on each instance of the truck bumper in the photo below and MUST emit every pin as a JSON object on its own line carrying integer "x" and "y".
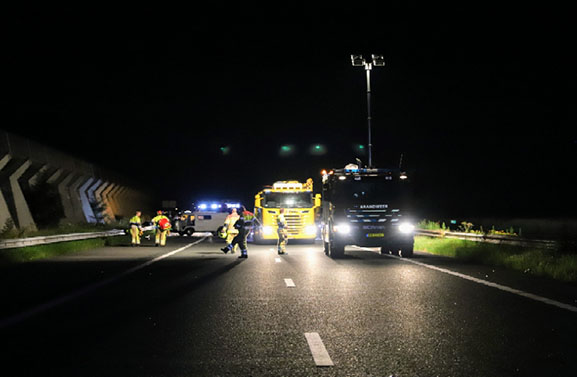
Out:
{"x": 401, "y": 240}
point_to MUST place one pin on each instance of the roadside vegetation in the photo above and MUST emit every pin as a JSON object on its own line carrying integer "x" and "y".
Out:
{"x": 466, "y": 227}
{"x": 31, "y": 253}
{"x": 556, "y": 264}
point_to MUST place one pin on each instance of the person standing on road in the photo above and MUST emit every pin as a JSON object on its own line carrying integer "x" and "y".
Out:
{"x": 244, "y": 226}
{"x": 282, "y": 232}
{"x": 136, "y": 228}
{"x": 162, "y": 228}
{"x": 231, "y": 231}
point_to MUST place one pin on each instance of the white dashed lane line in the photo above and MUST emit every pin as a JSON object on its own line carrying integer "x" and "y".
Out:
{"x": 289, "y": 283}
{"x": 500, "y": 287}
{"x": 87, "y": 289}
{"x": 277, "y": 260}
{"x": 318, "y": 350}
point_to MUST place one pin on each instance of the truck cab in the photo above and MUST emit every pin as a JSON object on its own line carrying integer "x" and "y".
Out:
{"x": 367, "y": 207}
{"x": 301, "y": 207}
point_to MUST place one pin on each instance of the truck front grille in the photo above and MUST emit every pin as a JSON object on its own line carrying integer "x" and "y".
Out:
{"x": 294, "y": 223}
{"x": 356, "y": 215}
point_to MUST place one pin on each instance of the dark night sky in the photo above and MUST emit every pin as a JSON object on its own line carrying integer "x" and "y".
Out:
{"x": 481, "y": 102}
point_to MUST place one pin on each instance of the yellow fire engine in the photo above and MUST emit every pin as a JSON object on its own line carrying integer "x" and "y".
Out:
{"x": 301, "y": 210}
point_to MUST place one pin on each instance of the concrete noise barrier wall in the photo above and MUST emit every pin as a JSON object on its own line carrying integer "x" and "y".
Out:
{"x": 42, "y": 187}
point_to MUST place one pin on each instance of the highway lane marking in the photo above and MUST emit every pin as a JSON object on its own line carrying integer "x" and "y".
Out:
{"x": 87, "y": 289}
{"x": 318, "y": 350}
{"x": 504, "y": 288}
{"x": 277, "y": 260}
{"x": 289, "y": 283}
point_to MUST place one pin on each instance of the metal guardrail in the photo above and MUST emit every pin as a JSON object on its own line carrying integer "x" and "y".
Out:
{"x": 492, "y": 238}
{"x": 33, "y": 241}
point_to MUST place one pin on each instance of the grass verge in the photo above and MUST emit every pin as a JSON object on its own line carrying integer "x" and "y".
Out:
{"x": 30, "y": 253}
{"x": 529, "y": 260}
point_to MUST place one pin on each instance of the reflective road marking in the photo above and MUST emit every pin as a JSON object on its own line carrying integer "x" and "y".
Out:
{"x": 289, "y": 283}
{"x": 278, "y": 260}
{"x": 88, "y": 289}
{"x": 320, "y": 354}
{"x": 504, "y": 288}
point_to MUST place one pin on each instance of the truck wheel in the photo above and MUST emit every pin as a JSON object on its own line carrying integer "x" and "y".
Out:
{"x": 326, "y": 248}
{"x": 189, "y": 232}
{"x": 406, "y": 252}
{"x": 181, "y": 234}
{"x": 384, "y": 250}
{"x": 336, "y": 250}
{"x": 401, "y": 251}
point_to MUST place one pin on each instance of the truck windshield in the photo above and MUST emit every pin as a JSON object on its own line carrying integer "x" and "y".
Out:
{"x": 369, "y": 190}
{"x": 288, "y": 200}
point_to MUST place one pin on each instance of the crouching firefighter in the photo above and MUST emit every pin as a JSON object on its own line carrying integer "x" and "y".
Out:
{"x": 244, "y": 226}
{"x": 162, "y": 225}
{"x": 230, "y": 231}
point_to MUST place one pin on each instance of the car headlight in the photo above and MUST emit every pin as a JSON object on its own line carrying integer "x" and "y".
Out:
{"x": 406, "y": 228}
{"x": 267, "y": 230}
{"x": 342, "y": 228}
{"x": 311, "y": 229}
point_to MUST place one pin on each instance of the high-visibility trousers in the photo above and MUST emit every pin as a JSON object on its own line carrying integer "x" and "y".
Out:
{"x": 231, "y": 233}
{"x": 135, "y": 233}
{"x": 241, "y": 239}
{"x": 160, "y": 237}
{"x": 282, "y": 240}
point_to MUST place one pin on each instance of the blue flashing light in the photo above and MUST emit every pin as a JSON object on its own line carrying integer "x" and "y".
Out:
{"x": 202, "y": 206}
{"x": 214, "y": 206}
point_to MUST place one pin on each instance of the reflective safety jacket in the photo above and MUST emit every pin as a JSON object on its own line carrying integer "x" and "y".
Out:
{"x": 160, "y": 222}
{"x": 245, "y": 220}
{"x": 248, "y": 217}
{"x": 230, "y": 221}
{"x": 281, "y": 221}
{"x": 135, "y": 220}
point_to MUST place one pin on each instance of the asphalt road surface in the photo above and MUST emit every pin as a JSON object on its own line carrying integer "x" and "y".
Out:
{"x": 189, "y": 310}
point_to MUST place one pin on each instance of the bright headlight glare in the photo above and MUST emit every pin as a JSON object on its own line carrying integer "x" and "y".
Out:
{"x": 310, "y": 229}
{"x": 343, "y": 228}
{"x": 267, "y": 230}
{"x": 406, "y": 228}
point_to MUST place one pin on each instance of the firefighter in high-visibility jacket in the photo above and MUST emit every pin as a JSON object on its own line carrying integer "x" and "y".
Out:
{"x": 244, "y": 225}
{"x": 136, "y": 228}
{"x": 231, "y": 231}
{"x": 162, "y": 228}
{"x": 282, "y": 232}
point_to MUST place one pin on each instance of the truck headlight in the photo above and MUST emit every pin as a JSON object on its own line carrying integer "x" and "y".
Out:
{"x": 311, "y": 229}
{"x": 406, "y": 228}
{"x": 267, "y": 230}
{"x": 342, "y": 228}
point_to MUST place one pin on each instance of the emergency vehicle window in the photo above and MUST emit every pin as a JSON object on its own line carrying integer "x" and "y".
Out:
{"x": 288, "y": 200}
{"x": 370, "y": 191}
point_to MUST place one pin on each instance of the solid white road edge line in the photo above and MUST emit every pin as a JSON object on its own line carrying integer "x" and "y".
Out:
{"x": 87, "y": 289}
{"x": 318, "y": 350}
{"x": 289, "y": 283}
{"x": 504, "y": 288}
